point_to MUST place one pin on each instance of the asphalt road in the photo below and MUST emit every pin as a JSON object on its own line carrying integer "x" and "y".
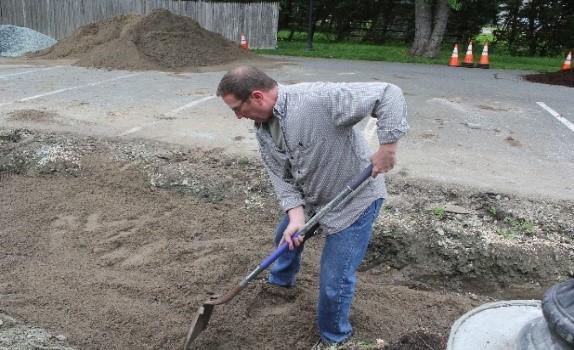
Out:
{"x": 484, "y": 128}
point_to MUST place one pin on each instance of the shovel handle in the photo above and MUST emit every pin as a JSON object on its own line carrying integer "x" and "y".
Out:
{"x": 352, "y": 185}
{"x": 362, "y": 177}
{"x": 283, "y": 247}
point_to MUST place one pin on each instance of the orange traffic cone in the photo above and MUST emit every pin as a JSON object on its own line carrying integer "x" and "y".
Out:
{"x": 568, "y": 62}
{"x": 454, "y": 57}
{"x": 243, "y": 43}
{"x": 484, "y": 63}
{"x": 468, "y": 60}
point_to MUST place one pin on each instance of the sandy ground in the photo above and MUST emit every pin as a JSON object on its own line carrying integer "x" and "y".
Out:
{"x": 111, "y": 244}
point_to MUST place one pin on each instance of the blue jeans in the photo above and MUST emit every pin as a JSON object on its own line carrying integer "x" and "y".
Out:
{"x": 342, "y": 255}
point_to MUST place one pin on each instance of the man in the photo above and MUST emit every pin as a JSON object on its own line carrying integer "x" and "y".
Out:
{"x": 311, "y": 150}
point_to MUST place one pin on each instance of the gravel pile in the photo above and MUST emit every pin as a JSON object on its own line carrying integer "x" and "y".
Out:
{"x": 16, "y": 41}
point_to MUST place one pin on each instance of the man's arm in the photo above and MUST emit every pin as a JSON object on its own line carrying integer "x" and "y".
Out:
{"x": 350, "y": 103}
{"x": 391, "y": 114}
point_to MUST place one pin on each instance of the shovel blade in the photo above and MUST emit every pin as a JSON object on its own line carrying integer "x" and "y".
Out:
{"x": 199, "y": 324}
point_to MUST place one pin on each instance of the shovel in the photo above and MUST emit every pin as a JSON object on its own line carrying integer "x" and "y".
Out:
{"x": 204, "y": 313}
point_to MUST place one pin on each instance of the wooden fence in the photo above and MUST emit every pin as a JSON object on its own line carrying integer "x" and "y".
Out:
{"x": 58, "y": 18}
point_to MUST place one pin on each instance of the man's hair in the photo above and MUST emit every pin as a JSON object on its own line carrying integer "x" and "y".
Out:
{"x": 242, "y": 81}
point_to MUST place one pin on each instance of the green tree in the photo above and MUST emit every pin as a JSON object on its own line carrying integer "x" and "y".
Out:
{"x": 536, "y": 27}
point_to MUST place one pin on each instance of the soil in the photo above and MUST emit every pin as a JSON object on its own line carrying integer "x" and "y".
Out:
{"x": 111, "y": 244}
{"x": 33, "y": 115}
{"x": 565, "y": 78}
{"x": 159, "y": 41}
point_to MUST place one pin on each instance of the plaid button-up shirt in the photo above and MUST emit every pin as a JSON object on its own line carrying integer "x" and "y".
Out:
{"x": 323, "y": 149}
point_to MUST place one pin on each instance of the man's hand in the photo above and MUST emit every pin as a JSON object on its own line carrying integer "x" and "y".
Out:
{"x": 384, "y": 159}
{"x": 296, "y": 222}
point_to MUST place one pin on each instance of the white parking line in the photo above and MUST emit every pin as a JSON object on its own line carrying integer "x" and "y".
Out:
{"x": 189, "y": 105}
{"x": 29, "y": 72}
{"x": 557, "y": 115}
{"x": 54, "y": 92}
{"x": 170, "y": 113}
{"x": 136, "y": 129}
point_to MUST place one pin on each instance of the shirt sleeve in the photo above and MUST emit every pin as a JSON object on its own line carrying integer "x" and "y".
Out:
{"x": 278, "y": 168}
{"x": 391, "y": 114}
{"x": 350, "y": 103}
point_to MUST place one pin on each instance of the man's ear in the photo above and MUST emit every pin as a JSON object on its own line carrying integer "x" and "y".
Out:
{"x": 257, "y": 95}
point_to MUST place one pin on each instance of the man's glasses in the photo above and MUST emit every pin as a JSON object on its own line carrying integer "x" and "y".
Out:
{"x": 237, "y": 108}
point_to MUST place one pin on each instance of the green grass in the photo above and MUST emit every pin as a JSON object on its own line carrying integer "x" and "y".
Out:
{"x": 516, "y": 227}
{"x": 439, "y": 213}
{"x": 323, "y": 47}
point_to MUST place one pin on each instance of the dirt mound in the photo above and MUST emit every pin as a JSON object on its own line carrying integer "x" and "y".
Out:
{"x": 115, "y": 245}
{"x": 161, "y": 41}
{"x": 99, "y": 254}
{"x": 565, "y": 78}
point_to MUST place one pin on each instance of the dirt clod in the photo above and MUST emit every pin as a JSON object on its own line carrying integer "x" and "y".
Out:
{"x": 419, "y": 340}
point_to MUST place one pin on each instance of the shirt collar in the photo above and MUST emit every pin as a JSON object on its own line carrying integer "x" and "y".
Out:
{"x": 280, "y": 104}
{"x": 279, "y": 107}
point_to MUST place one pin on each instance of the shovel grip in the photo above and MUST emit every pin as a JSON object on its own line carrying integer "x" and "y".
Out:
{"x": 283, "y": 247}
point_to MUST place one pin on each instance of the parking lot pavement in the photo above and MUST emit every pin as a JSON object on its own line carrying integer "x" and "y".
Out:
{"x": 485, "y": 128}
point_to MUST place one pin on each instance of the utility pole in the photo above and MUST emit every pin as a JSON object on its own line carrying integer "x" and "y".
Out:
{"x": 309, "y": 46}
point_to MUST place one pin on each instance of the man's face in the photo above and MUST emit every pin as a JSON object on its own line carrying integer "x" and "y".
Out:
{"x": 254, "y": 107}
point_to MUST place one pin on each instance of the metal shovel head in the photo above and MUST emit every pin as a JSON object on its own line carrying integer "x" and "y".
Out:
{"x": 199, "y": 323}
{"x": 204, "y": 314}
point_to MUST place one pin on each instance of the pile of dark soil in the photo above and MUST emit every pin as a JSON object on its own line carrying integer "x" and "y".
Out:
{"x": 565, "y": 78}
{"x": 159, "y": 41}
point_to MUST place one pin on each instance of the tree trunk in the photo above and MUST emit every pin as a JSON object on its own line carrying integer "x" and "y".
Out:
{"x": 310, "y": 27}
{"x": 285, "y": 15}
{"x": 441, "y": 19}
{"x": 513, "y": 32}
{"x": 423, "y": 23}
{"x": 531, "y": 32}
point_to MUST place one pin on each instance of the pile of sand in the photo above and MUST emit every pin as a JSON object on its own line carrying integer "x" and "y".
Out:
{"x": 161, "y": 41}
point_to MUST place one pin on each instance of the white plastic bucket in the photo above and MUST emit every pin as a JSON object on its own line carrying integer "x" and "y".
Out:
{"x": 493, "y": 326}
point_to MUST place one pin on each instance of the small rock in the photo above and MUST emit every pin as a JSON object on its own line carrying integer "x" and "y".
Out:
{"x": 61, "y": 337}
{"x": 473, "y": 125}
{"x": 450, "y": 208}
{"x": 164, "y": 156}
{"x": 1, "y": 323}
{"x": 473, "y": 296}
